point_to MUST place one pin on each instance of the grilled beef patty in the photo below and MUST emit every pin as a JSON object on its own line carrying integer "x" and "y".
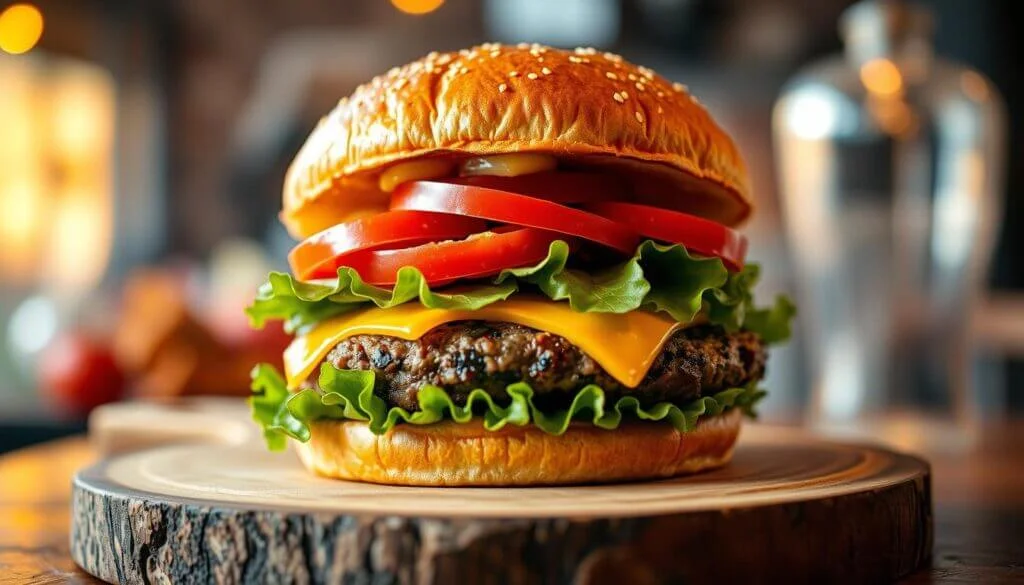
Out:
{"x": 465, "y": 355}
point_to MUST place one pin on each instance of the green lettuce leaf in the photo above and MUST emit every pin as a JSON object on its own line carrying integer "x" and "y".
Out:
{"x": 618, "y": 289}
{"x": 269, "y": 393}
{"x": 657, "y": 278}
{"x": 679, "y": 282}
{"x": 301, "y": 303}
{"x": 772, "y": 323}
{"x": 348, "y": 394}
{"x": 732, "y": 306}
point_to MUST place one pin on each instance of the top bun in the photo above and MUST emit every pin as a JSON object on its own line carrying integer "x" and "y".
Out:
{"x": 586, "y": 107}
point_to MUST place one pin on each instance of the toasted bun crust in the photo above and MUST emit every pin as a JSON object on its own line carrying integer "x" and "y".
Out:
{"x": 586, "y": 107}
{"x": 451, "y": 454}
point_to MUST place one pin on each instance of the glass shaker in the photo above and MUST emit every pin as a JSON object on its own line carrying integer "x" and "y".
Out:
{"x": 890, "y": 161}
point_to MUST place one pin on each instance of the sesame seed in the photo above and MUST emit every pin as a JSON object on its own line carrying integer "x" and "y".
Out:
{"x": 531, "y": 76}
{"x": 463, "y": 70}
{"x": 575, "y": 59}
{"x": 679, "y": 87}
{"x": 618, "y": 98}
{"x": 661, "y": 94}
{"x": 523, "y": 46}
{"x": 535, "y": 52}
{"x": 660, "y": 110}
{"x": 393, "y": 72}
{"x": 540, "y": 59}
{"x": 631, "y": 77}
{"x": 624, "y": 94}
{"x": 495, "y": 53}
{"x": 639, "y": 86}
{"x": 513, "y": 74}
{"x": 612, "y": 57}
{"x": 639, "y": 116}
{"x": 432, "y": 55}
{"x": 611, "y": 75}
{"x": 502, "y": 87}
{"x": 545, "y": 71}
{"x": 444, "y": 59}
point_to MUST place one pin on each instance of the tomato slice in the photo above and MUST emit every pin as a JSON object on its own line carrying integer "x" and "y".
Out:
{"x": 696, "y": 234}
{"x": 558, "y": 186}
{"x": 479, "y": 255}
{"x": 513, "y": 208}
{"x": 320, "y": 255}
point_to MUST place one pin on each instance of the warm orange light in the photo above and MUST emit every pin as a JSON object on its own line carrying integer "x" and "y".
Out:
{"x": 975, "y": 86}
{"x": 82, "y": 105}
{"x": 21, "y": 25}
{"x": 56, "y": 172}
{"x": 417, "y": 6}
{"x": 881, "y": 77}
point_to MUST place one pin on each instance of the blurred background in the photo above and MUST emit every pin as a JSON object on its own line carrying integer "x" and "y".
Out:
{"x": 143, "y": 146}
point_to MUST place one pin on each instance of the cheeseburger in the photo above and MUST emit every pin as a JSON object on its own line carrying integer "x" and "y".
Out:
{"x": 517, "y": 266}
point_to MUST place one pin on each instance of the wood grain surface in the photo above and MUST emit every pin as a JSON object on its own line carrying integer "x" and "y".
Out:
{"x": 236, "y": 513}
{"x": 979, "y": 512}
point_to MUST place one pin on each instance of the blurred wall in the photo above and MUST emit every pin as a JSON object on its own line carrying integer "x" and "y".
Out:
{"x": 227, "y": 56}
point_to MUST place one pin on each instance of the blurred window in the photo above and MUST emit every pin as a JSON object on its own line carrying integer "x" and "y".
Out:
{"x": 56, "y": 171}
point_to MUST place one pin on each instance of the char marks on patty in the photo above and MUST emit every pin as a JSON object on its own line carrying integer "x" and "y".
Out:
{"x": 461, "y": 356}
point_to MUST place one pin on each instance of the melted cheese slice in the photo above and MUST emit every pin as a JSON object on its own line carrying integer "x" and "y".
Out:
{"x": 508, "y": 165}
{"x": 502, "y": 165}
{"x": 624, "y": 345}
{"x": 417, "y": 170}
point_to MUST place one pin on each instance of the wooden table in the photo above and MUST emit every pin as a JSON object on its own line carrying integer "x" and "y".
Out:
{"x": 979, "y": 512}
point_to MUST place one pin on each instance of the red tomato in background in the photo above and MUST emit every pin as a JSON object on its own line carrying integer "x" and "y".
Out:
{"x": 237, "y": 335}
{"x": 78, "y": 373}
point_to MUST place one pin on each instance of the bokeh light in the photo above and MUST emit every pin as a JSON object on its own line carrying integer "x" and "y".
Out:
{"x": 21, "y": 25}
{"x": 417, "y": 6}
{"x": 881, "y": 77}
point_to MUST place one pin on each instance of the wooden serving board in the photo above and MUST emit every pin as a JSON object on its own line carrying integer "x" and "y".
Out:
{"x": 789, "y": 508}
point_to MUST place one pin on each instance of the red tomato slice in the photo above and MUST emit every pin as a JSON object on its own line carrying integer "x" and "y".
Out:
{"x": 558, "y": 186}
{"x": 696, "y": 234}
{"x": 512, "y": 208}
{"x": 320, "y": 255}
{"x": 479, "y": 255}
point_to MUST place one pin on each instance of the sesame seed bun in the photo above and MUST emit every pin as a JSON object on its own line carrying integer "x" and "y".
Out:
{"x": 453, "y": 454}
{"x": 588, "y": 108}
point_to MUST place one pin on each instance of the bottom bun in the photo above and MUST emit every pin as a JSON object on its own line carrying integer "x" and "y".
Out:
{"x": 452, "y": 454}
